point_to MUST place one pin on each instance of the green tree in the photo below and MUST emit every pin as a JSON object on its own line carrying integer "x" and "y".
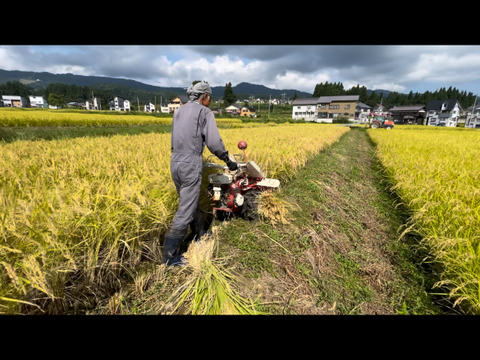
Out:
{"x": 228, "y": 96}
{"x": 15, "y": 88}
{"x": 360, "y": 91}
{"x": 328, "y": 89}
{"x": 373, "y": 100}
{"x": 56, "y": 99}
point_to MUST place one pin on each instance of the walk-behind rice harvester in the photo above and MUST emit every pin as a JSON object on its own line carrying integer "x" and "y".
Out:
{"x": 235, "y": 193}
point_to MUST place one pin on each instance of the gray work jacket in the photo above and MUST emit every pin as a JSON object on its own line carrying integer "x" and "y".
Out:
{"x": 194, "y": 127}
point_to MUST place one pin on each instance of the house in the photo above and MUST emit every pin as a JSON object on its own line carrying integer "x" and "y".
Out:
{"x": 177, "y": 102}
{"x": 332, "y": 107}
{"x": 93, "y": 104}
{"x": 473, "y": 117}
{"x": 325, "y": 108}
{"x": 362, "y": 111}
{"x": 304, "y": 109}
{"x": 149, "y": 107}
{"x": 233, "y": 109}
{"x": 247, "y": 111}
{"x": 38, "y": 102}
{"x": 443, "y": 112}
{"x": 119, "y": 104}
{"x": 75, "y": 104}
{"x": 379, "y": 110}
{"x": 14, "y": 101}
{"x": 408, "y": 114}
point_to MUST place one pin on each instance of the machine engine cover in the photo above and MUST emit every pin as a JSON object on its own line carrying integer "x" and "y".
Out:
{"x": 220, "y": 179}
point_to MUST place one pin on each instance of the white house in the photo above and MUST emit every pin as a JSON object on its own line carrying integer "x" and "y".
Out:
{"x": 380, "y": 110}
{"x": 304, "y": 109}
{"x": 473, "y": 117}
{"x": 93, "y": 104}
{"x": 233, "y": 109}
{"x": 149, "y": 107}
{"x": 362, "y": 111}
{"x": 14, "y": 101}
{"x": 443, "y": 112}
{"x": 38, "y": 102}
{"x": 119, "y": 104}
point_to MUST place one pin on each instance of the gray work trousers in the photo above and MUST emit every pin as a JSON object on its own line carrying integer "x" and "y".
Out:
{"x": 187, "y": 177}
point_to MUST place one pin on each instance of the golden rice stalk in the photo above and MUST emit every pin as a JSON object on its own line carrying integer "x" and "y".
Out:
{"x": 85, "y": 206}
{"x": 16, "y": 301}
{"x": 208, "y": 289}
{"x": 36, "y": 276}
{"x": 274, "y": 209}
{"x": 435, "y": 173}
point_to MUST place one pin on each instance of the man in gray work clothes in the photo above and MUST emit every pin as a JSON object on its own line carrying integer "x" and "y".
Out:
{"x": 194, "y": 127}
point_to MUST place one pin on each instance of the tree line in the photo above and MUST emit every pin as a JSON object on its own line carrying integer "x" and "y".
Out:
{"x": 393, "y": 98}
{"x": 61, "y": 94}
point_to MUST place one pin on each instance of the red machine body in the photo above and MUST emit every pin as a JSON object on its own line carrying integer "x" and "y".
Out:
{"x": 236, "y": 191}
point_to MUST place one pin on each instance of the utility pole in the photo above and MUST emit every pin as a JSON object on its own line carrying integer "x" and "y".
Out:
{"x": 473, "y": 117}
{"x": 269, "y": 104}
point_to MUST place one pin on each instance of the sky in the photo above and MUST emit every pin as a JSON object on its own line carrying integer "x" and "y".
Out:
{"x": 401, "y": 68}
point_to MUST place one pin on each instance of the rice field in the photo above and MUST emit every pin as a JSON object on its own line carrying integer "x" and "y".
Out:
{"x": 77, "y": 213}
{"x": 28, "y": 117}
{"x": 47, "y": 117}
{"x": 436, "y": 173}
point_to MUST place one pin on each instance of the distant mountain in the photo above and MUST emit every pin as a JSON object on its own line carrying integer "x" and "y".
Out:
{"x": 40, "y": 80}
{"x": 245, "y": 89}
{"x": 379, "y": 92}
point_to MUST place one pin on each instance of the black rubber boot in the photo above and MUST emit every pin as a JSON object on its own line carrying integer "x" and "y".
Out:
{"x": 197, "y": 225}
{"x": 171, "y": 247}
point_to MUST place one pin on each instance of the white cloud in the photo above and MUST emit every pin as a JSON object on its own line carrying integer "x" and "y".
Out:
{"x": 72, "y": 69}
{"x": 219, "y": 71}
{"x": 445, "y": 67}
{"x": 390, "y": 67}
{"x": 297, "y": 81}
{"x": 388, "y": 86}
{"x": 13, "y": 59}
